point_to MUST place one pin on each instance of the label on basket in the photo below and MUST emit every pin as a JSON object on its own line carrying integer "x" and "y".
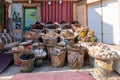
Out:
{"x": 56, "y": 51}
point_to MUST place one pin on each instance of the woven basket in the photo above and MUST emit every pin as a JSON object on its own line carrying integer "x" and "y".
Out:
{"x": 16, "y": 57}
{"x": 75, "y": 57}
{"x": 26, "y": 65}
{"x": 58, "y": 56}
{"x": 103, "y": 68}
{"x": 38, "y": 62}
{"x": 1, "y": 45}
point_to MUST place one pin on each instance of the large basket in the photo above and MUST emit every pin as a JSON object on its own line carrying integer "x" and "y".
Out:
{"x": 75, "y": 57}
{"x": 38, "y": 62}
{"x": 27, "y": 65}
{"x": 58, "y": 57}
{"x": 103, "y": 68}
{"x": 16, "y": 57}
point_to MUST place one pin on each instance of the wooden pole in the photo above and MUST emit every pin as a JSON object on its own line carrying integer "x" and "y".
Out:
{"x": 101, "y": 2}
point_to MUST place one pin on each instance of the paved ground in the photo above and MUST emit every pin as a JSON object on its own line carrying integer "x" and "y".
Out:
{"x": 12, "y": 70}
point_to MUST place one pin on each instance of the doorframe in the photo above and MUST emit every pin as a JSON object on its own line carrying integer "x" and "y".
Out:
{"x": 24, "y": 16}
{"x": 27, "y": 5}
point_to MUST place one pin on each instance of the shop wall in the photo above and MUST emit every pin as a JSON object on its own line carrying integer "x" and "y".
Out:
{"x": 80, "y": 14}
{"x": 104, "y": 20}
{"x": 94, "y": 19}
{"x": 111, "y": 27}
{"x": 17, "y": 16}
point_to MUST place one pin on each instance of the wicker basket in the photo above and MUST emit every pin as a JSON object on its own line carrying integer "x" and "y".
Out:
{"x": 58, "y": 56}
{"x": 38, "y": 62}
{"x": 26, "y": 65}
{"x": 75, "y": 57}
{"x": 1, "y": 45}
{"x": 16, "y": 57}
{"x": 103, "y": 68}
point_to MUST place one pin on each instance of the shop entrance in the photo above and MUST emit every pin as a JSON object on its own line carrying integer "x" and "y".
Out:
{"x": 30, "y": 18}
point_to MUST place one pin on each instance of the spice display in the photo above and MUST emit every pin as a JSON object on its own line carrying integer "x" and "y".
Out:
{"x": 50, "y": 39}
{"x": 85, "y": 34}
{"x": 104, "y": 58}
{"x": 40, "y": 53}
{"x": 50, "y": 35}
{"x": 67, "y": 33}
{"x": 31, "y": 35}
{"x": 103, "y": 52}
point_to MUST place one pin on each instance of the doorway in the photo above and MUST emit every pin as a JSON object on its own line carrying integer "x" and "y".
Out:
{"x": 30, "y": 18}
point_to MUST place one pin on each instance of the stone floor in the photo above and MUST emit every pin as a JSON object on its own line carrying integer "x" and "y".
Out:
{"x": 12, "y": 70}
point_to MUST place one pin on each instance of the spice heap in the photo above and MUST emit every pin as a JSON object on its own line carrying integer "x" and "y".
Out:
{"x": 67, "y": 33}
{"x": 86, "y": 35}
{"x": 103, "y": 52}
{"x": 31, "y": 35}
{"x": 50, "y": 35}
{"x": 40, "y": 53}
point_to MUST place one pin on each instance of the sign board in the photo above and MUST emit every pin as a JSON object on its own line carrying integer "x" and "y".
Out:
{"x": 92, "y": 1}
